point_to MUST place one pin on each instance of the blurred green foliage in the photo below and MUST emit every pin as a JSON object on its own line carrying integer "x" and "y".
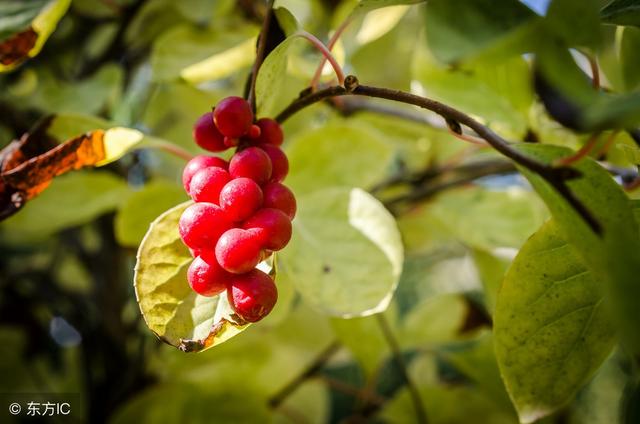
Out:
{"x": 433, "y": 270}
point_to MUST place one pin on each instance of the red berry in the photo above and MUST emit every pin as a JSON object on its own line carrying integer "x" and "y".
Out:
{"x": 207, "y": 278}
{"x": 240, "y": 198}
{"x": 279, "y": 162}
{"x": 278, "y": 196}
{"x": 239, "y": 251}
{"x": 233, "y": 116}
{"x": 196, "y": 164}
{"x": 201, "y": 224}
{"x": 252, "y": 295}
{"x": 273, "y": 226}
{"x": 254, "y": 131}
{"x": 270, "y": 132}
{"x": 231, "y": 142}
{"x": 207, "y": 183}
{"x": 207, "y": 135}
{"x": 253, "y": 163}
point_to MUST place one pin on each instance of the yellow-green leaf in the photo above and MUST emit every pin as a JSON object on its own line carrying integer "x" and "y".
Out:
{"x": 174, "y": 312}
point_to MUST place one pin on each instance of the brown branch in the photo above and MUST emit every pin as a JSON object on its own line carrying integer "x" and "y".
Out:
{"x": 555, "y": 176}
{"x": 463, "y": 175}
{"x": 260, "y": 53}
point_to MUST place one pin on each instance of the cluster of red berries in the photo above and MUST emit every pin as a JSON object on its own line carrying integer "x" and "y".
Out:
{"x": 242, "y": 211}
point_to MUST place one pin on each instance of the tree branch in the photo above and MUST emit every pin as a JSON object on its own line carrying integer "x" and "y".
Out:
{"x": 260, "y": 53}
{"x": 555, "y": 176}
{"x": 462, "y": 175}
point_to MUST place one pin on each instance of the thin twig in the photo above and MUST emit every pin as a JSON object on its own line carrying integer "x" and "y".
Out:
{"x": 260, "y": 53}
{"x": 595, "y": 71}
{"x": 332, "y": 41}
{"x": 468, "y": 173}
{"x": 468, "y": 138}
{"x": 315, "y": 367}
{"x": 581, "y": 153}
{"x": 173, "y": 149}
{"x": 421, "y": 415}
{"x": 326, "y": 53}
{"x": 607, "y": 145}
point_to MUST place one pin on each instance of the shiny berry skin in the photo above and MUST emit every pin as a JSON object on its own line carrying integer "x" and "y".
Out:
{"x": 278, "y": 196}
{"x": 207, "y": 278}
{"x": 273, "y": 227}
{"x": 207, "y": 135}
{"x": 233, "y": 116}
{"x": 279, "y": 162}
{"x": 254, "y": 131}
{"x": 240, "y": 198}
{"x": 231, "y": 142}
{"x": 253, "y": 163}
{"x": 201, "y": 224}
{"x": 196, "y": 164}
{"x": 207, "y": 183}
{"x": 270, "y": 132}
{"x": 239, "y": 251}
{"x": 252, "y": 295}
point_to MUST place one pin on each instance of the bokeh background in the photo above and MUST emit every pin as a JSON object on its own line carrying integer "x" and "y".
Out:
{"x": 69, "y": 321}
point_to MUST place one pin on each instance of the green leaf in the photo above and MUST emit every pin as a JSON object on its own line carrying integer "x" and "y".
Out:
{"x": 365, "y": 6}
{"x": 222, "y": 64}
{"x": 142, "y": 207}
{"x": 173, "y": 120}
{"x": 174, "y": 312}
{"x": 333, "y": 227}
{"x": 171, "y": 402}
{"x": 379, "y": 22}
{"x": 25, "y": 25}
{"x": 69, "y": 125}
{"x": 594, "y": 110}
{"x": 622, "y": 12}
{"x": 487, "y": 219}
{"x": 372, "y": 66}
{"x": 71, "y": 200}
{"x": 186, "y": 46}
{"x": 632, "y": 153}
{"x": 551, "y": 328}
{"x": 436, "y": 319}
{"x": 629, "y": 58}
{"x": 117, "y": 141}
{"x": 501, "y": 93}
{"x": 603, "y": 400}
{"x": 447, "y": 404}
{"x": 611, "y": 257}
{"x": 272, "y": 77}
{"x": 476, "y": 359}
{"x": 456, "y": 30}
{"x": 492, "y": 268}
{"x": 585, "y": 31}
{"x": 365, "y": 341}
{"x": 88, "y": 96}
{"x": 339, "y": 153}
